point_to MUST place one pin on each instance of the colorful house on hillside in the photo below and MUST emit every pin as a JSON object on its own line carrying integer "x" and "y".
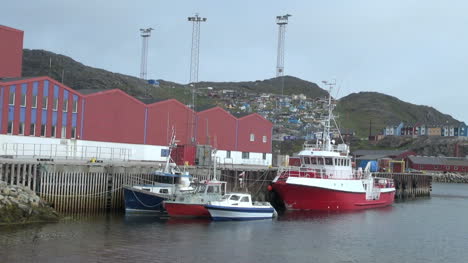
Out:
{"x": 463, "y": 130}
{"x": 434, "y": 130}
{"x": 393, "y": 129}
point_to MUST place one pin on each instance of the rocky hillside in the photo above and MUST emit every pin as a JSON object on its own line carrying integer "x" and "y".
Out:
{"x": 357, "y": 110}
{"x": 427, "y": 145}
{"x": 80, "y": 77}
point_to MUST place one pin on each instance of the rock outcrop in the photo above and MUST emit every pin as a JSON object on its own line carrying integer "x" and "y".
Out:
{"x": 19, "y": 204}
{"x": 450, "y": 178}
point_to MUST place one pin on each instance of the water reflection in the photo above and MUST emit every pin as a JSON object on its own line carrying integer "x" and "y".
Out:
{"x": 327, "y": 215}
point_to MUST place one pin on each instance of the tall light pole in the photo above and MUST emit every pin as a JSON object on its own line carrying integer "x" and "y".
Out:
{"x": 145, "y": 34}
{"x": 195, "y": 53}
{"x": 194, "y": 63}
{"x": 281, "y": 21}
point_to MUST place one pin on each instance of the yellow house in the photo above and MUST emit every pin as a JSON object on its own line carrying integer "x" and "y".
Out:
{"x": 434, "y": 131}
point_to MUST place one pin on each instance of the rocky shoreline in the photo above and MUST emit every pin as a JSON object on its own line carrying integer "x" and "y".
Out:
{"x": 19, "y": 205}
{"x": 450, "y": 178}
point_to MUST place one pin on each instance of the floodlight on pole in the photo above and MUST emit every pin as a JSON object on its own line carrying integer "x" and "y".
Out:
{"x": 145, "y": 34}
{"x": 281, "y": 21}
{"x": 194, "y": 64}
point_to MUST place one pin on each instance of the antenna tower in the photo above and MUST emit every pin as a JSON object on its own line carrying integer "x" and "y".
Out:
{"x": 145, "y": 34}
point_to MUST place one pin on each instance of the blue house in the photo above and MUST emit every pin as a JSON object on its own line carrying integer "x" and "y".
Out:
{"x": 393, "y": 130}
{"x": 463, "y": 130}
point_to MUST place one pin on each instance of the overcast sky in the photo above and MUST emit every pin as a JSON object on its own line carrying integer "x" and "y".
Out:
{"x": 412, "y": 49}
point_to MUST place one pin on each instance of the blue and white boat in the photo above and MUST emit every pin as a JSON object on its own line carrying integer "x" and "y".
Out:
{"x": 239, "y": 206}
{"x": 150, "y": 197}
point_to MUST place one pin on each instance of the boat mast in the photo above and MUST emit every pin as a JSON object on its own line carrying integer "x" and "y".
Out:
{"x": 171, "y": 146}
{"x": 214, "y": 165}
{"x": 326, "y": 129}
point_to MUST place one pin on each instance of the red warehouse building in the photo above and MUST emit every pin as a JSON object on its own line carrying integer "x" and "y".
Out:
{"x": 441, "y": 164}
{"x": 11, "y": 52}
{"x": 39, "y": 107}
{"x": 43, "y": 107}
{"x": 113, "y": 116}
{"x": 165, "y": 115}
{"x": 217, "y": 127}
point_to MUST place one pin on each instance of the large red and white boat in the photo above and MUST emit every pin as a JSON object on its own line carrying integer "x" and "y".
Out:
{"x": 325, "y": 180}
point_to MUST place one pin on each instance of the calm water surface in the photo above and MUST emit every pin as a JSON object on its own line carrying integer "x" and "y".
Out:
{"x": 425, "y": 230}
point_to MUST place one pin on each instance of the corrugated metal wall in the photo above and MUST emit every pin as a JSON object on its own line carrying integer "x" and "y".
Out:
{"x": 11, "y": 52}
{"x": 113, "y": 116}
{"x": 216, "y": 127}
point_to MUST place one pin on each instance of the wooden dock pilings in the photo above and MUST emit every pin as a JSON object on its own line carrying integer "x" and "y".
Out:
{"x": 409, "y": 185}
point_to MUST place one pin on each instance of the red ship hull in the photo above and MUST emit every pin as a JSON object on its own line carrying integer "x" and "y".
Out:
{"x": 300, "y": 197}
{"x": 186, "y": 210}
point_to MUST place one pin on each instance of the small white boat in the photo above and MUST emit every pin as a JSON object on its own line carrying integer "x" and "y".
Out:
{"x": 239, "y": 206}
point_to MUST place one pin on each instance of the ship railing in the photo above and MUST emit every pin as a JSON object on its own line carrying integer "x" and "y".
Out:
{"x": 307, "y": 172}
{"x": 340, "y": 148}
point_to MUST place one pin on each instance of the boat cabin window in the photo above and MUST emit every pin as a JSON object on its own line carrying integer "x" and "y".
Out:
{"x": 146, "y": 189}
{"x": 306, "y": 160}
{"x": 234, "y": 197}
{"x": 328, "y": 161}
{"x": 213, "y": 189}
{"x": 320, "y": 161}
{"x": 201, "y": 188}
{"x": 313, "y": 160}
{"x": 163, "y": 191}
{"x": 226, "y": 197}
{"x": 245, "y": 199}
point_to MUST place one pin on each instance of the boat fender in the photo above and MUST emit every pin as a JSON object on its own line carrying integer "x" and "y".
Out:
{"x": 270, "y": 188}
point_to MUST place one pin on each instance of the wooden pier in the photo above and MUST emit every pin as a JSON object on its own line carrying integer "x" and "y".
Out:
{"x": 96, "y": 188}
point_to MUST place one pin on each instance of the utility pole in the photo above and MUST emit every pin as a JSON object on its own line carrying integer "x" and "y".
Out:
{"x": 194, "y": 63}
{"x": 145, "y": 34}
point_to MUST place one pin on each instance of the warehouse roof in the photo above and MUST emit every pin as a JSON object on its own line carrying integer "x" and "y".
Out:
{"x": 438, "y": 160}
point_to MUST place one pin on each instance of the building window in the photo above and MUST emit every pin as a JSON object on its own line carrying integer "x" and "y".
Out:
{"x": 55, "y": 105}
{"x": 10, "y": 127}
{"x": 65, "y": 106}
{"x": 64, "y": 132}
{"x": 34, "y": 101}
{"x": 23, "y": 100}
{"x": 228, "y": 154}
{"x": 264, "y": 139}
{"x": 252, "y": 137}
{"x": 75, "y": 106}
{"x": 45, "y": 99}
{"x": 21, "y": 128}
{"x": 11, "y": 100}
{"x": 264, "y": 156}
{"x": 43, "y": 130}
{"x": 32, "y": 129}
{"x": 73, "y": 133}
{"x": 245, "y": 155}
{"x": 53, "y": 131}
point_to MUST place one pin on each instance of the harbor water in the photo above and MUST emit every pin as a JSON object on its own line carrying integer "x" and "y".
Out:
{"x": 431, "y": 229}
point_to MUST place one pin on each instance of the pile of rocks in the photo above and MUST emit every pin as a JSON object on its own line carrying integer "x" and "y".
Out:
{"x": 450, "y": 178}
{"x": 19, "y": 204}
